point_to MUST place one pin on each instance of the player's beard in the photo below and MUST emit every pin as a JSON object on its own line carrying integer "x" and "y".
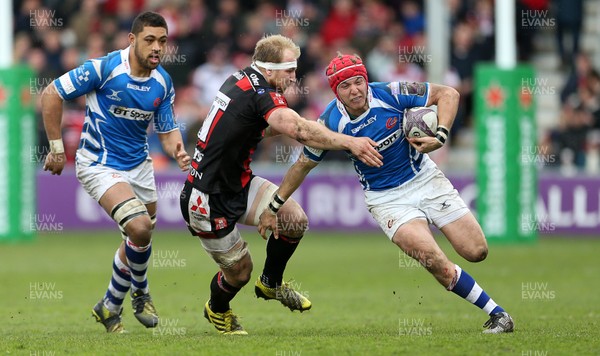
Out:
{"x": 145, "y": 62}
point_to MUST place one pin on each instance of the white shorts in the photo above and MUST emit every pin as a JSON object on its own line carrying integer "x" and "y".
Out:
{"x": 429, "y": 195}
{"x": 96, "y": 180}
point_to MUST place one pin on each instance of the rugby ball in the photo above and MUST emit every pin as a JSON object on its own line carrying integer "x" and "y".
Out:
{"x": 419, "y": 122}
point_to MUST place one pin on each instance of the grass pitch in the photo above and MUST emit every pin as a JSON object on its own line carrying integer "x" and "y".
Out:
{"x": 368, "y": 299}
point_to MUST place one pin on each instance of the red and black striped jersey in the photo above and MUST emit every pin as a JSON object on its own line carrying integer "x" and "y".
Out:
{"x": 231, "y": 131}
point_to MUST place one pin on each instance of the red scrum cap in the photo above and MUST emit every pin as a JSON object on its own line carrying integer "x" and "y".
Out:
{"x": 344, "y": 67}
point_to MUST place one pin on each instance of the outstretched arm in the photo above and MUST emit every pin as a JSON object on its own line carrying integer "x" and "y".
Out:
{"x": 313, "y": 134}
{"x": 52, "y": 110}
{"x": 292, "y": 180}
{"x": 446, "y": 99}
{"x": 172, "y": 144}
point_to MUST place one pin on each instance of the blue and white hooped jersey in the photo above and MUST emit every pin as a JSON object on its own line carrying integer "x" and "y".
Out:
{"x": 119, "y": 108}
{"x": 382, "y": 122}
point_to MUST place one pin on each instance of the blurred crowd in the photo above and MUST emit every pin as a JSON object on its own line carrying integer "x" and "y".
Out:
{"x": 210, "y": 39}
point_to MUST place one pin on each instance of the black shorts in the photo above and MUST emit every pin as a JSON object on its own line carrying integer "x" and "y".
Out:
{"x": 212, "y": 215}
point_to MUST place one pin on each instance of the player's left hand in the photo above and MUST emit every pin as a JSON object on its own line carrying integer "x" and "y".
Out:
{"x": 183, "y": 159}
{"x": 425, "y": 144}
{"x": 267, "y": 221}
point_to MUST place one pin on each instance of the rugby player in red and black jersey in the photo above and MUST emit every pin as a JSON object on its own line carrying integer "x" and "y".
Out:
{"x": 221, "y": 189}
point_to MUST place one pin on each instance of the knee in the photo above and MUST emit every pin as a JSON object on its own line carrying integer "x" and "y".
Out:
{"x": 139, "y": 231}
{"x": 477, "y": 253}
{"x": 240, "y": 273}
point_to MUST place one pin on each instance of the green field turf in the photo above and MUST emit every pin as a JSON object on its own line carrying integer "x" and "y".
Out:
{"x": 367, "y": 300}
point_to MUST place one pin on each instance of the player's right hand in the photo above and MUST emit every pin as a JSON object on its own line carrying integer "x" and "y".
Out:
{"x": 55, "y": 163}
{"x": 267, "y": 221}
{"x": 363, "y": 148}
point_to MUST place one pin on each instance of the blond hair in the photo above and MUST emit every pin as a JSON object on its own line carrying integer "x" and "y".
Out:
{"x": 270, "y": 48}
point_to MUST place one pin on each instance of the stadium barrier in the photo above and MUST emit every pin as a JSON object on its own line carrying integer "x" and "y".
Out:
{"x": 565, "y": 206}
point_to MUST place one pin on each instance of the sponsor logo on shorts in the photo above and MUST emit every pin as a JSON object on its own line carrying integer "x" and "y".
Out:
{"x": 445, "y": 205}
{"x": 391, "y": 223}
{"x": 220, "y": 223}
{"x": 198, "y": 207}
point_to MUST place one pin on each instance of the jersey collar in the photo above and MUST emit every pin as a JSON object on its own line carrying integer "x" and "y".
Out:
{"x": 253, "y": 66}
{"x": 127, "y": 65}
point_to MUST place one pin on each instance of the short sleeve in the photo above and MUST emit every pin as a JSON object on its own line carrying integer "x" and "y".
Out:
{"x": 410, "y": 94}
{"x": 79, "y": 81}
{"x": 164, "y": 119}
{"x": 267, "y": 101}
{"x": 315, "y": 154}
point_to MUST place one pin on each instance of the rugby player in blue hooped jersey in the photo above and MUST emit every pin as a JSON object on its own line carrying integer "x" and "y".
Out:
{"x": 409, "y": 191}
{"x": 125, "y": 91}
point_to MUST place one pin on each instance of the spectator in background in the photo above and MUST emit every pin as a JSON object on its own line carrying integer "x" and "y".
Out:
{"x": 412, "y": 17}
{"x": 339, "y": 23}
{"x": 208, "y": 77}
{"x": 198, "y": 25}
{"x": 126, "y": 13}
{"x": 569, "y": 18}
{"x": 578, "y": 76}
{"x": 463, "y": 57}
{"x": 569, "y": 139}
{"x": 381, "y": 61}
{"x": 529, "y": 16}
{"x": 406, "y": 71}
{"x": 85, "y": 22}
